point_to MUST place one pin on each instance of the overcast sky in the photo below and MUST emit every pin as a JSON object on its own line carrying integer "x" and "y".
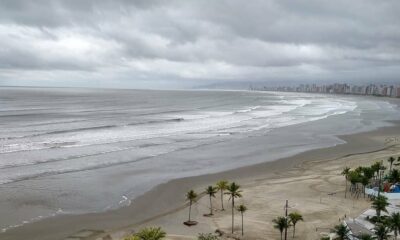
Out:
{"x": 173, "y": 44}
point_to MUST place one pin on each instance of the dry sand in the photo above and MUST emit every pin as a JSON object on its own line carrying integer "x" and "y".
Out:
{"x": 311, "y": 181}
{"x": 314, "y": 188}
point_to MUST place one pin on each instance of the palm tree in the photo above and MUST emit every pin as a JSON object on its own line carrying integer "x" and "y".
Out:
{"x": 364, "y": 182}
{"x": 281, "y": 223}
{"x": 379, "y": 204}
{"x": 368, "y": 172}
{"x": 221, "y": 186}
{"x": 354, "y": 177}
{"x": 394, "y": 222}
{"x": 294, "y": 218}
{"x": 381, "y": 231}
{"x": 377, "y": 166}
{"x": 151, "y": 233}
{"x": 211, "y": 191}
{"x": 345, "y": 173}
{"x": 391, "y": 160}
{"x": 365, "y": 236}
{"x": 341, "y": 232}
{"x": 242, "y": 208}
{"x": 394, "y": 176}
{"x": 191, "y": 197}
{"x": 234, "y": 192}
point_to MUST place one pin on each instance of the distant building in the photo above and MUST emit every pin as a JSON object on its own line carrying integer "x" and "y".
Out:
{"x": 341, "y": 88}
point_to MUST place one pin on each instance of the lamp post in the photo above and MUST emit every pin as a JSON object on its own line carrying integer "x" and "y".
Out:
{"x": 380, "y": 179}
{"x": 286, "y": 216}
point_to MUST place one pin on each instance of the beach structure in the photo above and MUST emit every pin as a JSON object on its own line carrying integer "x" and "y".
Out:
{"x": 362, "y": 225}
{"x": 373, "y": 192}
{"x": 359, "y": 227}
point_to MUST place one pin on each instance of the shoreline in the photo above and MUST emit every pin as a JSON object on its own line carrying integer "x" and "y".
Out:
{"x": 168, "y": 198}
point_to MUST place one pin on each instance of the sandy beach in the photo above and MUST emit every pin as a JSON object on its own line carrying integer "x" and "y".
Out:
{"x": 313, "y": 186}
{"x": 120, "y": 119}
{"x": 311, "y": 181}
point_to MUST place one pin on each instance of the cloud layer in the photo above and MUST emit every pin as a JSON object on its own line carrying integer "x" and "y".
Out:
{"x": 167, "y": 44}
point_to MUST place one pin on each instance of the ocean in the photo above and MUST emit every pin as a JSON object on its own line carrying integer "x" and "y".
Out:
{"x": 71, "y": 151}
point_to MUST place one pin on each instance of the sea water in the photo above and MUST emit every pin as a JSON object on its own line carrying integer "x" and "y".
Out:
{"x": 88, "y": 150}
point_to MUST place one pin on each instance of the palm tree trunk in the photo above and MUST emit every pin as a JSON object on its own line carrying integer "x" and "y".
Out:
{"x": 190, "y": 209}
{"x": 294, "y": 229}
{"x": 242, "y": 223}
{"x": 345, "y": 191}
{"x": 211, "y": 210}
{"x": 233, "y": 207}
{"x": 281, "y": 234}
{"x": 364, "y": 191}
{"x": 222, "y": 200}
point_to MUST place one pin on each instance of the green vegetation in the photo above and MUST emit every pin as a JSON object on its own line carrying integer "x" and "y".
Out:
{"x": 341, "y": 232}
{"x": 222, "y": 186}
{"x": 345, "y": 173}
{"x": 211, "y": 191}
{"x": 379, "y": 204}
{"x": 284, "y": 223}
{"x": 391, "y": 160}
{"x": 234, "y": 192}
{"x": 381, "y": 231}
{"x": 207, "y": 236}
{"x": 148, "y": 233}
{"x": 191, "y": 197}
{"x": 361, "y": 176}
{"x": 394, "y": 223}
{"x": 394, "y": 176}
{"x": 294, "y": 218}
{"x": 242, "y": 208}
{"x": 374, "y": 176}
{"x": 281, "y": 223}
{"x": 377, "y": 166}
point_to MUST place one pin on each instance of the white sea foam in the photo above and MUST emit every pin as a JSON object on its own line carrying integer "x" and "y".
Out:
{"x": 141, "y": 129}
{"x": 192, "y": 124}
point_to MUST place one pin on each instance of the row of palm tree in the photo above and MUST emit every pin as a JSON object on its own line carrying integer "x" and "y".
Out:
{"x": 284, "y": 223}
{"x": 231, "y": 189}
{"x": 364, "y": 175}
{"x": 384, "y": 225}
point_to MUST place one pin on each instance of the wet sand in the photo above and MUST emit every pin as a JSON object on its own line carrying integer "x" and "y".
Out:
{"x": 302, "y": 179}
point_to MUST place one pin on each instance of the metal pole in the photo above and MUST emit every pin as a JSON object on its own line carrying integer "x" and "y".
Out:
{"x": 286, "y": 216}
{"x": 379, "y": 183}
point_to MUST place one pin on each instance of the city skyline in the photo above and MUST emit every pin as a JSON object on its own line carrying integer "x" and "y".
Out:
{"x": 341, "y": 88}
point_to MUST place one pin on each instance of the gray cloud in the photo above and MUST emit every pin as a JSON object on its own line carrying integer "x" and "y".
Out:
{"x": 185, "y": 43}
